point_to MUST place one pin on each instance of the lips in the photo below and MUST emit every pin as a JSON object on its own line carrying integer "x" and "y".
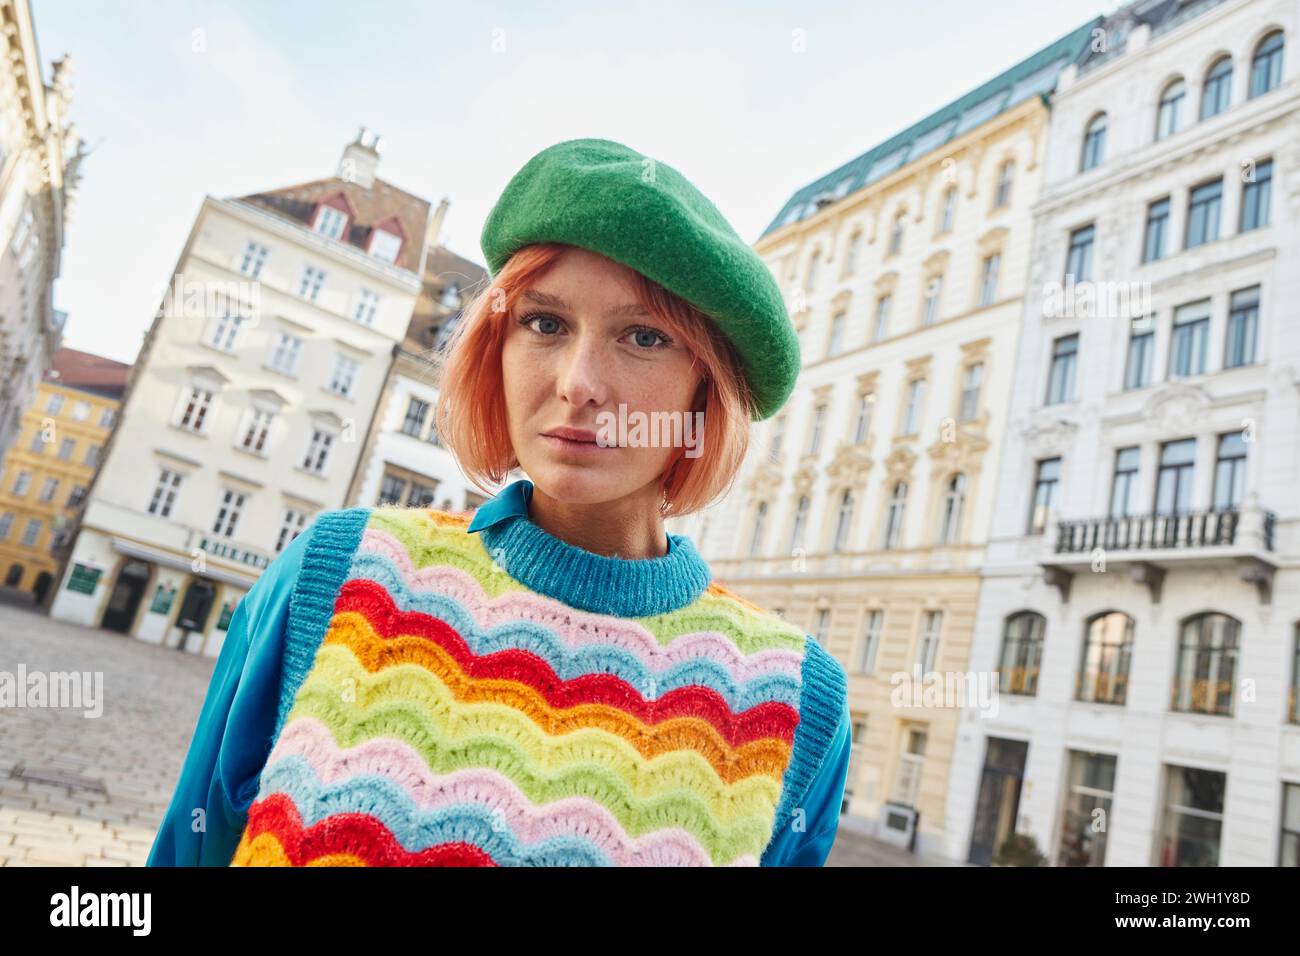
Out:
{"x": 572, "y": 434}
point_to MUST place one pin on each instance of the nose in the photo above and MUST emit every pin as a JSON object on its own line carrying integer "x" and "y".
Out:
{"x": 583, "y": 372}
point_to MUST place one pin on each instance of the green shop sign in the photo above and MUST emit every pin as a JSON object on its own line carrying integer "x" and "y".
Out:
{"x": 83, "y": 578}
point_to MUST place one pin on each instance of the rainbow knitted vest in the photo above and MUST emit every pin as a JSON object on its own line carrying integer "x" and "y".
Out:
{"x": 436, "y": 710}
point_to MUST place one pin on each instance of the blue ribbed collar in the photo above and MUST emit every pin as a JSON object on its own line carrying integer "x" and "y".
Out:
{"x": 585, "y": 580}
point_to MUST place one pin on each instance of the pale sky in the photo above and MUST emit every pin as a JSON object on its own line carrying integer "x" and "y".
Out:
{"x": 187, "y": 98}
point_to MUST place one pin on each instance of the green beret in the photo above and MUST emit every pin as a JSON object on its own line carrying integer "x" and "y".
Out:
{"x": 609, "y": 199}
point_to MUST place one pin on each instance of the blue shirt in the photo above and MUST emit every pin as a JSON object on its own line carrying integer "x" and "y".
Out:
{"x": 233, "y": 738}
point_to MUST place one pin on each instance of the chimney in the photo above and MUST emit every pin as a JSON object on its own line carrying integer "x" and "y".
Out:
{"x": 361, "y": 157}
{"x": 434, "y": 230}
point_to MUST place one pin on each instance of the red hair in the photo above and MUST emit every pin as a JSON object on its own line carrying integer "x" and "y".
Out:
{"x": 471, "y": 414}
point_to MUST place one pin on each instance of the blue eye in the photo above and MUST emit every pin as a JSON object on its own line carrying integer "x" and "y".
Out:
{"x": 528, "y": 320}
{"x": 657, "y": 338}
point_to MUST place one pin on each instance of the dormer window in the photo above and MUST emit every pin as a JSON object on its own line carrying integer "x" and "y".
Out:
{"x": 384, "y": 245}
{"x": 333, "y": 216}
{"x": 330, "y": 222}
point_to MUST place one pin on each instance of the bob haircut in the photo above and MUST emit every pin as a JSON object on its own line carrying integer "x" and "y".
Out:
{"x": 471, "y": 412}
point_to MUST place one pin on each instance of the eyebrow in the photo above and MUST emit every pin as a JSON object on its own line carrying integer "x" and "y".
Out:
{"x": 555, "y": 302}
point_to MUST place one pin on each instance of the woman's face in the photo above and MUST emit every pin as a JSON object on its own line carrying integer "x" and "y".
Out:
{"x": 578, "y": 344}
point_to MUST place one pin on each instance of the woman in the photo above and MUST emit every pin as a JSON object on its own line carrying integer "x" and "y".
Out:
{"x": 557, "y": 681}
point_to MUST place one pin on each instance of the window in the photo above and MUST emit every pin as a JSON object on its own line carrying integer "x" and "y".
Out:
{"x": 1022, "y": 652}
{"x": 367, "y": 305}
{"x": 309, "y": 284}
{"x": 284, "y": 354}
{"x": 866, "y": 405}
{"x": 970, "y": 392}
{"x": 989, "y": 279}
{"x": 1141, "y": 347}
{"x": 894, "y": 516}
{"x": 254, "y": 259}
{"x": 385, "y": 245}
{"x": 1078, "y": 262}
{"x": 290, "y": 528}
{"x": 1123, "y": 487}
{"x": 1107, "y": 650}
{"x": 930, "y": 308}
{"x": 77, "y": 496}
{"x": 896, "y": 235}
{"x": 32, "y": 533}
{"x": 92, "y": 455}
{"x": 1002, "y": 196}
{"x": 1230, "y": 472}
{"x": 870, "y": 642}
{"x": 421, "y": 495}
{"x": 330, "y": 222}
{"x": 257, "y": 431}
{"x": 232, "y": 503}
{"x": 1203, "y": 208}
{"x": 1174, "y": 479}
{"x": 165, "y": 490}
{"x": 818, "y": 423}
{"x": 1289, "y": 845}
{"x": 1193, "y": 817}
{"x": 851, "y": 254}
{"x": 1243, "y": 327}
{"x": 1046, "y": 478}
{"x": 837, "y": 333}
{"x": 1169, "y": 119}
{"x": 1090, "y": 790}
{"x": 55, "y": 404}
{"x": 843, "y": 522}
{"x": 1190, "y": 339}
{"x": 390, "y": 490}
{"x": 318, "y": 450}
{"x": 948, "y": 209}
{"x": 106, "y": 418}
{"x": 927, "y": 646}
{"x": 80, "y": 411}
{"x": 823, "y": 626}
{"x": 1060, "y": 383}
{"x": 67, "y": 444}
{"x": 760, "y": 516}
{"x": 416, "y": 411}
{"x": 37, "y": 445}
{"x": 907, "y": 786}
{"x": 1094, "y": 144}
{"x": 225, "y": 330}
{"x": 800, "y": 523}
{"x": 778, "y": 437}
{"x": 1216, "y": 94}
{"x": 881, "y": 328}
{"x": 195, "y": 411}
{"x": 1266, "y": 67}
{"x": 6, "y": 523}
{"x": 1154, "y": 240}
{"x": 1256, "y": 197}
{"x": 814, "y": 265}
{"x": 954, "y": 501}
{"x": 344, "y": 375}
{"x": 48, "y": 488}
{"x": 912, "y": 408}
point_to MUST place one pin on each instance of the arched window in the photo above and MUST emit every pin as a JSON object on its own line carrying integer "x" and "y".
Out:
{"x": 954, "y": 501}
{"x": 948, "y": 210}
{"x": 1169, "y": 119}
{"x": 851, "y": 254}
{"x": 1217, "y": 91}
{"x": 810, "y": 279}
{"x": 1006, "y": 174}
{"x": 1107, "y": 649}
{"x": 843, "y": 521}
{"x": 1266, "y": 67}
{"x": 760, "y": 516}
{"x": 894, "y": 515}
{"x": 800, "y": 522}
{"x": 1207, "y": 664}
{"x": 1022, "y": 653}
{"x": 1094, "y": 143}
{"x": 896, "y": 234}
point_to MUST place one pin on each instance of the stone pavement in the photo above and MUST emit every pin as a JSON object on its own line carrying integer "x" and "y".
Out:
{"x": 91, "y": 791}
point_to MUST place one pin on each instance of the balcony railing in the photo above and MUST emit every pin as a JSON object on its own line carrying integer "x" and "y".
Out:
{"x": 1192, "y": 529}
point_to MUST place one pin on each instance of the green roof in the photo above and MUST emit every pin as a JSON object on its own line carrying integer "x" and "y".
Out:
{"x": 1034, "y": 76}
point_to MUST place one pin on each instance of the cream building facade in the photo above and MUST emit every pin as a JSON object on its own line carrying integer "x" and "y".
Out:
{"x": 247, "y": 407}
{"x": 1141, "y": 598}
{"x": 862, "y": 511}
{"x": 40, "y": 155}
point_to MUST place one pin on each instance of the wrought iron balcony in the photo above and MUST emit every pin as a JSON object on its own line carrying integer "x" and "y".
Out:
{"x": 1193, "y": 529}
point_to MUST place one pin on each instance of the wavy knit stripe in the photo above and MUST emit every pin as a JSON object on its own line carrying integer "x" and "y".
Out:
{"x": 429, "y": 545}
{"x": 334, "y": 537}
{"x": 339, "y": 688}
{"x": 383, "y": 560}
{"x": 534, "y": 655}
{"x": 311, "y": 744}
{"x": 760, "y": 736}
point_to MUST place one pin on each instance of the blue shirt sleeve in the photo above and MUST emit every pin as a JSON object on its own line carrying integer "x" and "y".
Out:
{"x": 811, "y": 846}
{"x": 233, "y": 737}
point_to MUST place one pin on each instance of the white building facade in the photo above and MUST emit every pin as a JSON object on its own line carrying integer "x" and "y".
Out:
{"x": 1141, "y": 593}
{"x": 248, "y": 406}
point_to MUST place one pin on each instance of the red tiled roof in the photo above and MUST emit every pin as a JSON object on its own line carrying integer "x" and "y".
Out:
{"x": 93, "y": 373}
